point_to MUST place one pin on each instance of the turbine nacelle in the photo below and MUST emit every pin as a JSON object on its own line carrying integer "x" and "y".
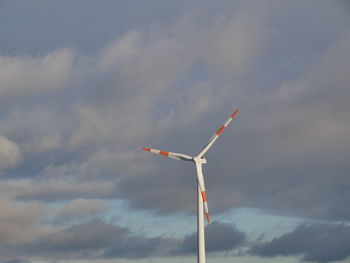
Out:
{"x": 200, "y": 160}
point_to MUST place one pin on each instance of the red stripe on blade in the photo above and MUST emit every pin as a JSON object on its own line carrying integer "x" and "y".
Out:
{"x": 164, "y": 153}
{"x": 204, "y": 196}
{"x": 234, "y": 114}
{"x": 146, "y": 149}
{"x": 222, "y": 128}
{"x": 208, "y": 217}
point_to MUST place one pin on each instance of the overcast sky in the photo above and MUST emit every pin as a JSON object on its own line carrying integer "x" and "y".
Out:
{"x": 84, "y": 84}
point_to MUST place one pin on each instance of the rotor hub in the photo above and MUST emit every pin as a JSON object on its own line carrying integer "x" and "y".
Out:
{"x": 201, "y": 160}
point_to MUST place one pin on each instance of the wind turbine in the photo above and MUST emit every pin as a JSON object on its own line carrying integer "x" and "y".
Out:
{"x": 201, "y": 192}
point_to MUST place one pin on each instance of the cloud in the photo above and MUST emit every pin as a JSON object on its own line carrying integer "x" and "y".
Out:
{"x": 76, "y": 122}
{"x": 82, "y": 118}
{"x": 25, "y": 75}
{"x": 97, "y": 239}
{"x": 10, "y": 154}
{"x": 78, "y": 241}
{"x": 84, "y": 121}
{"x": 73, "y": 119}
{"x": 55, "y": 190}
{"x": 140, "y": 247}
{"x": 80, "y": 208}
{"x": 317, "y": 243}
{"x": 232, "y": 45}
{"x": 219, "y": 237}
{"x": 17, "y": 260}
{"x": 20, "y": 222}
{"x": 303, "y": 127}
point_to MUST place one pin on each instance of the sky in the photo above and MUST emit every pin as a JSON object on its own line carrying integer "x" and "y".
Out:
{"x": 84, "y": 84}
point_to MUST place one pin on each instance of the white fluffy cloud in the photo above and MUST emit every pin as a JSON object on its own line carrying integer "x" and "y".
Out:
{"x": 24, "y": 75}
{"x": 19, "y": 222}
{"x": 10, "y": 153}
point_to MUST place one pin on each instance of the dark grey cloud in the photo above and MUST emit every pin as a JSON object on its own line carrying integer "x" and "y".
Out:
{"x": 219, "y": 237}
{"x": 140, "y": 247}
{"x": 87, "y": 25}
{"x": 52, "y": 24}
{"x": 317, "y": 243}
{"x": 16, "y": 260}
{"x": 97, "y": 239}
{"x": 78, "y": 241}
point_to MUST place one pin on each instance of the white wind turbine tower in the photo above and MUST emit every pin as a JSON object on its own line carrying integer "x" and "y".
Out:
{"x": 201, "y": 192}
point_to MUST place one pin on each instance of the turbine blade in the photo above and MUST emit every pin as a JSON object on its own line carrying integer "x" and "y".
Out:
{"x": 202, "y": 188}
{"x": 217, "y": 134}
{"x": 176, "y": 156}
